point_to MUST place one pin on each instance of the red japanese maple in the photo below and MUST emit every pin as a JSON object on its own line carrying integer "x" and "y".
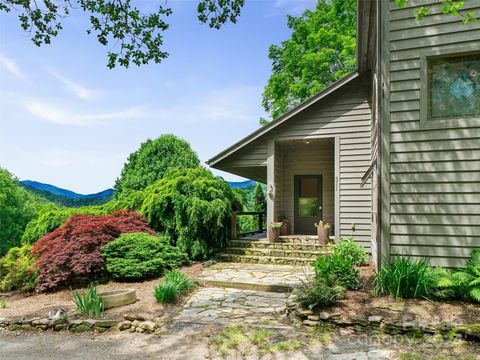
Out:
{"x": 71, "y": 253}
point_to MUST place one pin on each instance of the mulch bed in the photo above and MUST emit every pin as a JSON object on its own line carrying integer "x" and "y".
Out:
{"x": 363, "y": 303}
{"x": 30, "y": 305}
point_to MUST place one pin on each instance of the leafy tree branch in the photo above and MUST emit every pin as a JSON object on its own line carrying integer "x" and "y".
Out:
{"x": 133, "y": 37}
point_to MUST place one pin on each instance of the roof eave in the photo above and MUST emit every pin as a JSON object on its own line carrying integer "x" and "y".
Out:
{"x": 261, "y": 131}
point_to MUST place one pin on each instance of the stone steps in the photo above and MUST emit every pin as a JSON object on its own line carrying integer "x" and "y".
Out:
{"x": 273, "y": 252}
{"x": 249, "y": 244}
{"x": 279, "y": 260}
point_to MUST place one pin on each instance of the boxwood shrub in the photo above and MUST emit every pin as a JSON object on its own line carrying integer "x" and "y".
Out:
{"x": 138, "y": 256}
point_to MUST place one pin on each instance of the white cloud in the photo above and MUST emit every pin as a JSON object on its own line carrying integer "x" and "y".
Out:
{"x": 11, "y": 66}
{"x": 63, "y": 116}
{"x": 228, "y": 105}
{"x": 78, "y": 90}
{"x": 60, "y": 158}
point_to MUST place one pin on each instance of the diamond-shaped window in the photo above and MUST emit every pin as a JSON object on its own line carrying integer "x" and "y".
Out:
{"x": 462, "y": 88}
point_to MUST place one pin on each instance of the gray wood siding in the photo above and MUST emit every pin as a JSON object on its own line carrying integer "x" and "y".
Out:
{"x": 434, "y": 174}
{"x": 347, "y": 114}
{"x": 307, "y": 159}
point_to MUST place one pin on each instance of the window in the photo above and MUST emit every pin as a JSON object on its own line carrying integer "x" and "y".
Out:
{"x": 454, "y": 87}
{"x": 450, "y": 88}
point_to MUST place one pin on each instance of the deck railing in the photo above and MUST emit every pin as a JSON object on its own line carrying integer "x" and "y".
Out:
{"x": 260, "y": 221}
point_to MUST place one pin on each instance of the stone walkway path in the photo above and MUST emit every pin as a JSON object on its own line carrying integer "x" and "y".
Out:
{"x": 253, "y": 294}
{"x": 226, "y": 306}
{"x": 260, "y": 276}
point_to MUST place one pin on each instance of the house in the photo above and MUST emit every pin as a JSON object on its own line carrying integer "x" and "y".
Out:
{"x": 389, "y": 154}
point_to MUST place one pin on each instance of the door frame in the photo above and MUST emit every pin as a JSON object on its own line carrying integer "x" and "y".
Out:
{"x": 296, "y": 179}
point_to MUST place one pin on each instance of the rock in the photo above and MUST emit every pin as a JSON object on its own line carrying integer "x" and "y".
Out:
{"x": 149, "y": 326}
{"x": 124, "y": 325}
{"x": 41, "y": 322}
{"x": 327, "y": 316}
{"x": 304, "y": 313}
{"x": 100, "y": 329}
{"x": 310, "y": 323}
{"x": 139, "y": 330}
{"x": 345, "y": 332}
{"x": 60, "y": 327}
{"x": 469, "y": 330}
{"x": 380, "y": 354}
{"x": 314, "y": 318}
{"x": 375, "y": 319}
{"x": 132, "y": 317}
{"x": 105, "y": 323}
{"x": 14, "y": 327}
{"x": 81, "y": 328}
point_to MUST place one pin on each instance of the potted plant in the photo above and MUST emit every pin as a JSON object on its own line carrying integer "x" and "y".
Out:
{"x": 274, "y": 233}
{"x": 323, "y": 232}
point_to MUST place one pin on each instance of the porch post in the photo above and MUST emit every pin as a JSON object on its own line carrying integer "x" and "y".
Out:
{"x": 270, "y": 186}
{"x": 337, "y": 188}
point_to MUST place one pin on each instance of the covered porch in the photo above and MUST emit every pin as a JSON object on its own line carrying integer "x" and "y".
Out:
{"x": 300, "y": 176}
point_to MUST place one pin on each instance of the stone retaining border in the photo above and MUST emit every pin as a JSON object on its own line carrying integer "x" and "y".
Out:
{"x": 134, "y": 324}
{"x": 309, "y": 318}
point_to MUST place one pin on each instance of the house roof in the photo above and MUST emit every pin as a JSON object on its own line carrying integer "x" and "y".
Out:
{"x": 262, "y": 131}
{"x": 366, "y": 29}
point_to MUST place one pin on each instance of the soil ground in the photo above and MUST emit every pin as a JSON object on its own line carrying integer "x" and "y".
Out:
{"x": 30, "y": 305}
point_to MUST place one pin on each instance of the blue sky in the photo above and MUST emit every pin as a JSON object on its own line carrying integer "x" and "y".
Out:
{"x": 67, "y": 120}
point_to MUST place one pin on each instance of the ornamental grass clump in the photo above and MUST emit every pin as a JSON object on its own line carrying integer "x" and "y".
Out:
{"x": 88, "y": 302}
{"x": 173, "y": 286}
{"x": 407, "y": 278}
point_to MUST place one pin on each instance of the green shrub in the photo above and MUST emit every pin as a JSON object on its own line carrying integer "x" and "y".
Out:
{"x": 347, "y": 247}
{"x": 174, "y": 285}
{"x": 464, "y": 283}
{"x": 318, "y": 294}
{"x": 137, "y": 256}
{"x": 3, "y": 304}
{"x": 88, "y": 302}
{"x": 53, "y": 219}
{"x": 337, "y": 270}
{"x": 16, "y": 269}
{"x": 406, "y": 278}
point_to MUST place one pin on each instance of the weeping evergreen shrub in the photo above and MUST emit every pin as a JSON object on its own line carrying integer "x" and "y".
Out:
{"x": 193, "y": 208}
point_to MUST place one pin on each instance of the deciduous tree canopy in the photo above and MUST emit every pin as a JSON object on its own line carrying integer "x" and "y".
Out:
{"x": 320, "y": 51}
{"x": 132, "y": 36}
{"x": 150, "y": 162}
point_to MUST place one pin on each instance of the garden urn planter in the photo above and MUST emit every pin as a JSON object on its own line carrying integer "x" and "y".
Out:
{"x": 323, "y": 235}
{"x": 274, "y": 232}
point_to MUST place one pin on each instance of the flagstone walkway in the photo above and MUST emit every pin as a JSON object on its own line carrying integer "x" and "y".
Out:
{"x": 241, "y": 294}
{"x": 263, "y": 277}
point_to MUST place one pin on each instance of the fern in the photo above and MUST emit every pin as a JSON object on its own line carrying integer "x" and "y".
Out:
{"x": 465, "y": 283}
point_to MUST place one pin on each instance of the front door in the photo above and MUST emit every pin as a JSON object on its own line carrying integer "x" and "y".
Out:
{"x": 308, "y": 203}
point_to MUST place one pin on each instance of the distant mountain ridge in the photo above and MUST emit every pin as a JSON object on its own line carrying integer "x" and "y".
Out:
{"x": 241, "y": 184}
{"x": 52, "y": 189}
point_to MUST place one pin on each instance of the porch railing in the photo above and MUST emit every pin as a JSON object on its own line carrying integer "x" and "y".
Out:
{"x": 260, "y": 223}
